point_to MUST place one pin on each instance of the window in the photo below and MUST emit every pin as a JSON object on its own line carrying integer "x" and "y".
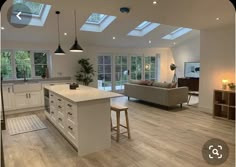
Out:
{"x": 23, "y": 64}
{"x": 150, "y": 68}
{"x": 6, "y": 65}
{"x": 142, "y": 25}
{"x": 97, "y": 22}
{"x": 136, "y": 67}
{"x": 105, "y": 72}
{"x": 143, "y": 29}
{"x": 96, "y": 18}
{"x": 121, "y": 72}
{"x": 177, "y": 33}
{"x": 40, "y": 63}
{"x": 38, "y": 12}
{"x": 35, "y": 8}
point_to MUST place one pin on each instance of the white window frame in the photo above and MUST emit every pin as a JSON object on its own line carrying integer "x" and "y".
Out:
{"x": 13, "y": 62}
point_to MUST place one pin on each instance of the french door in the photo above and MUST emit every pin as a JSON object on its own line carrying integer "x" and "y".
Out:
{"x": 116, "y": 70}
{"x": 121, "y": 72}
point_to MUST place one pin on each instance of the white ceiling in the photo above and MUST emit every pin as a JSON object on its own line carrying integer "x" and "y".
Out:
{"x": 196, "y": 14}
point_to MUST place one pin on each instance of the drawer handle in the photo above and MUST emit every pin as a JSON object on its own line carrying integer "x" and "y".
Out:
{"x": 59, "y": 99}
{"x": 59, "y": 106}
{"x": 51, "y": 95}
{"x": 52, "y": 112}
{"x": 70, "y": 128}
{"x": 69, "y": 113}
{"x": 59, "y": 119}
{"x": 69, "y": 105}
{"x": 52, "y": 102}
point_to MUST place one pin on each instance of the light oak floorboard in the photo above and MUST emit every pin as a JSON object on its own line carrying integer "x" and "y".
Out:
{"x": 159, "y": 138}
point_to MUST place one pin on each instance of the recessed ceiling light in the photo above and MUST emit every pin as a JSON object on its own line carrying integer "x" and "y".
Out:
{"x": 217, "y": 18}
{"x": 2, "y": 28}
{"x": 65, "y": 34}
{"x": 154, "y": 2}
{"x": 149, "y": 41}
{"x": 113, "y": 37}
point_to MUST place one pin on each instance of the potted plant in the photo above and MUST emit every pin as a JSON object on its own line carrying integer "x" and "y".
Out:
{"x": 86, "y": 72}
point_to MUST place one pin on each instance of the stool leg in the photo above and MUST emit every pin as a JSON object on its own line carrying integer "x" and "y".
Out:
{"x": 189, "y": 98}
{"x": 127, "y": 123}
{"x": 111, "y": 125}
{"x": 118, "y": 126}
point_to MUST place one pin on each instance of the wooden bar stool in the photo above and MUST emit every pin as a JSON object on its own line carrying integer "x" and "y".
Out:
{"x": 118, "y": 109}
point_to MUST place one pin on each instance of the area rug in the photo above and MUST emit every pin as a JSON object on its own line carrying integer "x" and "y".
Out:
{"x": 24, "y": 124}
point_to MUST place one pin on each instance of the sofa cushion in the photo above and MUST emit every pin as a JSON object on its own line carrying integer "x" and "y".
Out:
{"x": 141, "y": 82}
{"x": 162, "y": 85}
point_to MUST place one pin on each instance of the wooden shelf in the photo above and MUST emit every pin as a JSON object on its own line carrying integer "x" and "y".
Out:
{"x": 224, "y": 105}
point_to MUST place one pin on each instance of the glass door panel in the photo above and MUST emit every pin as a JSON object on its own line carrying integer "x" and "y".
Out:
{"x": 150, "y": 68}
{"x": 105, "y": 73}
{"x": 121, "y": 72}
{"x": 136, "y": 67}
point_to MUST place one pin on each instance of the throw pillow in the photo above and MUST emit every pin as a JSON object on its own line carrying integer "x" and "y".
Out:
{"x": 162, "y": 85}
{"x": 173, "y": 84}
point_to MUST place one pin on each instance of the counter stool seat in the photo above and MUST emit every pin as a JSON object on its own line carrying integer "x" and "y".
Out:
{"x": 118, "y": 109}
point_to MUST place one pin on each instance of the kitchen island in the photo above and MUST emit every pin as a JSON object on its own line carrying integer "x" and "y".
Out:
{"x": 81, "y": 115}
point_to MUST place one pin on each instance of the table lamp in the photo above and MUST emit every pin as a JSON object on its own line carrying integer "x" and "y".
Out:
{"x": 224, "y": 83}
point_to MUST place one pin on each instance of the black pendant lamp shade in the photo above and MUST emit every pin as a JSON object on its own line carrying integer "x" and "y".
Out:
{"x": 76, "y": 47}
{"x": 59, "y": 50}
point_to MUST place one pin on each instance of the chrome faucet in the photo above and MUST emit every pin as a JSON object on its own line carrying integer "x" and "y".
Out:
{"x": 24, "y": 74}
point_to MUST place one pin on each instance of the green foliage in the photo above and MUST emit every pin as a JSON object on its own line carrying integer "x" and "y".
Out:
{"x": 23, "y": 64}
{"x": 86, "y": 72}
{"x": 6, "y": 68}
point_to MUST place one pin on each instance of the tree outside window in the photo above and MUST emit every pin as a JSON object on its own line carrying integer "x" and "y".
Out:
{"x": 6, "y": 65}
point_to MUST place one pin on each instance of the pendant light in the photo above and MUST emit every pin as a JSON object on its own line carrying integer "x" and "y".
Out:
{"x": 59, "y": 50}
{"x": 76, "y": 47}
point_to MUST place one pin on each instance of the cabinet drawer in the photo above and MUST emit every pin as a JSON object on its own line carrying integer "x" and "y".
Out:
{"x": 51, "y": 95}
{"x": 61, "y": 121}
{"x": 60, "y": 101}
{"x": 52, "y": 103}
{"x": 72, "y": 132}
{"x": 53, "y": 113}
{"x": 71, "y": 111}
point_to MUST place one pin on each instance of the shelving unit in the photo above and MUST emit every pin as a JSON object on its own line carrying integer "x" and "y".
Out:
{"x": 224, "y": 104}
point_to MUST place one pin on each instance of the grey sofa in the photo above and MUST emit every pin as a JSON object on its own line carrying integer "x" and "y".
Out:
{"x": 162, "y": 96}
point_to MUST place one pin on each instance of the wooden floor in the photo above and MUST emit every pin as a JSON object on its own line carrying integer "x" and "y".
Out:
{"x": 159, "y": 139}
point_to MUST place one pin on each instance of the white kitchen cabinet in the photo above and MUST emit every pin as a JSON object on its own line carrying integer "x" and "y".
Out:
{"x": 28, "y": 100}
{"x": 35, "y": 99}
{"x": 7, "y": 97}
{"x": 21, "y": 100}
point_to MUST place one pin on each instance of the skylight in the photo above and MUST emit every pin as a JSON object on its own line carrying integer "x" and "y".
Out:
{"x": 35, "y": 8}
{"x": 143, "y": 29}
{"x": 177, "y": 33}
{"x": 38, "y": 11}
{"x": 97, "y": 22}
{"x": 96, "y": 18}
{"x": 142, "y": 25}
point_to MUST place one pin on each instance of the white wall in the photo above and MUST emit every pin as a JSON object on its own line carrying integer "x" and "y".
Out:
{"x": 68, "y": 65}
{"x": 217, "y": 62}
{"x": 187, "y": 51}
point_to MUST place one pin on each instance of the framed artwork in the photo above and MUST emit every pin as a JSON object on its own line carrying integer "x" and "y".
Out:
{"x": 192, "y": 69}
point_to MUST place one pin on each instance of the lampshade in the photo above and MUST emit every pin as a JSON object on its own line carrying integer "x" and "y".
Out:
{"x": 76, "y": 47}
{"x": 172, "y": 67}
{"x": 59, "y": 51}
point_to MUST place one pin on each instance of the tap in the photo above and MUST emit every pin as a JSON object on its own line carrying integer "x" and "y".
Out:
{"x": 24, "y": 74}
